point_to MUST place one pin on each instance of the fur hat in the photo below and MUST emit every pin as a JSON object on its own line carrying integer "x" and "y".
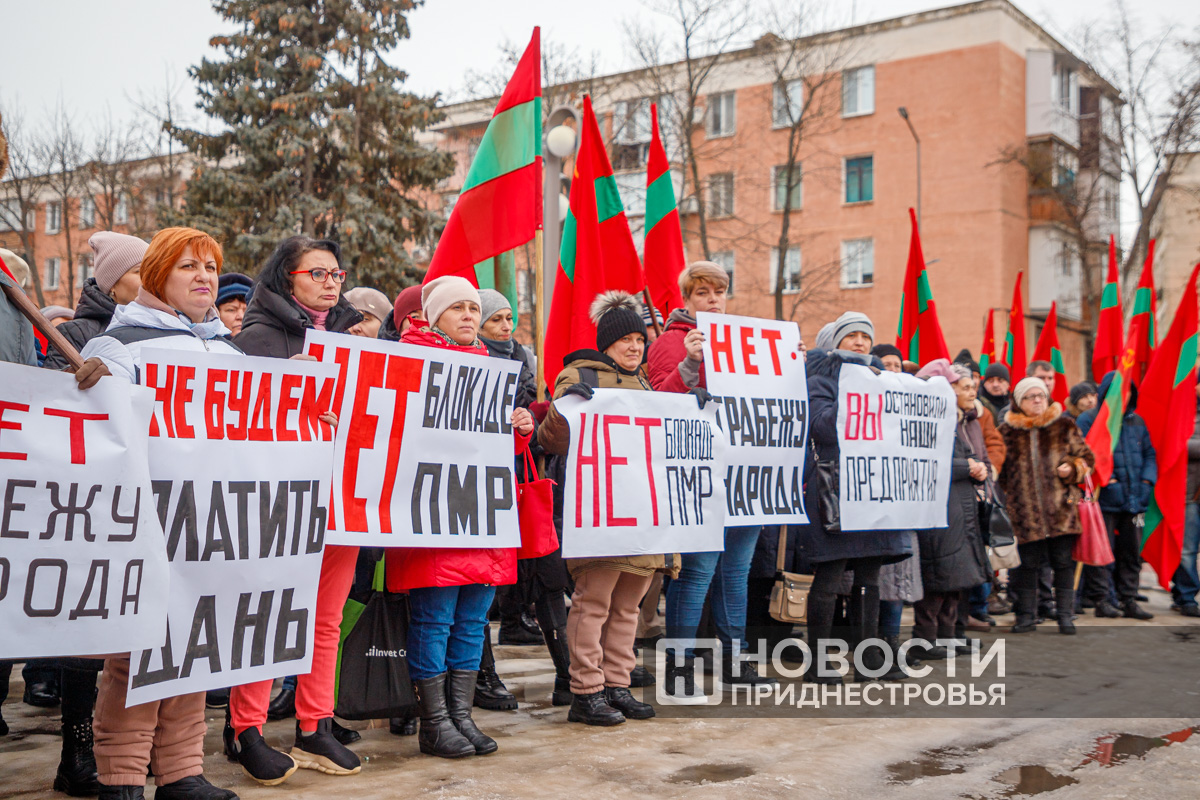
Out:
{"x": 616, "y": 314}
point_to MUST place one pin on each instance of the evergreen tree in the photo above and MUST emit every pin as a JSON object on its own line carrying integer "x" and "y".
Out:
{"x": 316, "y": 137}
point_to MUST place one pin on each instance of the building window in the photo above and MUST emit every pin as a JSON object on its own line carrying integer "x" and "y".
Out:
{"x": 84, "y": 271}
{"x": 720, "y": 194}
{"x": 721, "y": 120}
{"x": 1066, "y": 164}
{"x": 779, "y": 180}
{"x": 524, "y": 292}
{"x": 787, "y": 102}
{"x": 1065, "y": 90}
{"x": 121, "y": 212}
{"x": 860, "y": 179}
{"x": 87, "y": 213}
{"x": 448, "y": 202}
{"x": 631, "y": 186}
{"x": 791, "y": 275}
{"x": 631, "y": 134}
{"x": 53, "y": 217}
{"x": 52, "y": 268}
{"x": 724, "y": 259}
{"x": 10, "y": 215}
{"x": 858, "y": 92}
{"x": 858, "y": 263}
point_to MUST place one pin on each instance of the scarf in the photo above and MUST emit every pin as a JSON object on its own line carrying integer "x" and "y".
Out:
{"x": 505, "y": 347}
{"x": 446, "y": 338}
{"x": 318, "y": 317}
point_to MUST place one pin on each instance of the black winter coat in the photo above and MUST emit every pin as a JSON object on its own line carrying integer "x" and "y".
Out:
{"x": 954, "y": 558}
{"x": 814, "y": 544}
{"x": 1135, "y": 469}
{"x": 275, "y": 326}
{"x": 388, "y": 331}
{"x": 92, "y": 315}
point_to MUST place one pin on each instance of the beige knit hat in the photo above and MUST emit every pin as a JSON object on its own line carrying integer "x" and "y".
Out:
{"x": 441, "y": 293}
{"x": 17, "y": 266}
{"x": 116, "y": 254}
{"x": 369, "y": 301}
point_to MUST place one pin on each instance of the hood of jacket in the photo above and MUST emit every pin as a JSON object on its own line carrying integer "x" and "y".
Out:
{"x": 594, "y": 359}
{"x": 137, "y": 315}
{"x": 679, "y": 319}
{"x": 283, "y": 313}
{"x": 94, "y": 304}
{"x": 1102, "y": 390}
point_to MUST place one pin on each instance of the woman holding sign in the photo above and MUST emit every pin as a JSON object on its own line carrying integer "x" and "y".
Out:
{"x": 173, "y": 309}
{"x": 451, "y": 589}
{"x": 602, "y": 623}
{"x": 1047, "y": 459}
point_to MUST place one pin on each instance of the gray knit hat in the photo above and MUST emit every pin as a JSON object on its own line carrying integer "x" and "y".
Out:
{"x": 851, "y": 322}
{"x": 491, "y": 301}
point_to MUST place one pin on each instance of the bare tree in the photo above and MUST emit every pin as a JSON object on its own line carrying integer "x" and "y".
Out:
{"x": 567, "y": 75}
{"x": 679, "y": 65}
{"x": 62, "y": 152}
{"x": 164, "y": 111}
{"x": 111, "y": 172}
{"x": 23, "y": 185}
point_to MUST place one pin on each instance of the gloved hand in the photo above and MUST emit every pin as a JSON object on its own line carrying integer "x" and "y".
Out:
{"x": 702, "y": 396}
{"x": 581, "y": 389}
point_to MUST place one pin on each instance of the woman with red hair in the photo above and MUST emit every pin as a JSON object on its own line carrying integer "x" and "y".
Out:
{"x": 173, "y": 309}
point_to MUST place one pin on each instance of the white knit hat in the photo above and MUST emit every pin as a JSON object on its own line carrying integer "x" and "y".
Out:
{"x": 116, "y": 254}
{"x": 441, "y": 293}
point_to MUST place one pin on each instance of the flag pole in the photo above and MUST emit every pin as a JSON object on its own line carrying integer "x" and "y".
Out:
{"x": 653, "y": 311}
{"x": 539, "y": 316}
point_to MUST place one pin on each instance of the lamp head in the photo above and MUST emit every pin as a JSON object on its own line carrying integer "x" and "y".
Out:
{"x": 903, "y": 112}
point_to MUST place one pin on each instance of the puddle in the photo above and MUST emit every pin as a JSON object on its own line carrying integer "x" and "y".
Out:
{"x": 710, "y": 773}
{"x": 1117, "y": 748}
{"x": 932, "y": 764}
{"x": 1031, "y": 779}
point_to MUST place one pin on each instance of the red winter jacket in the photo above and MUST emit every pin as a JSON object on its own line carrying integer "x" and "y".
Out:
{"x": 667, "y": 353}
{"x": 420, "y": 567}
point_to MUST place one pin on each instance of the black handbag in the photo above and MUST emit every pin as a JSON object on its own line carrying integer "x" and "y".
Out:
{"x": 826, "y": 476}
{"x": 999, "y": 526}
{"x": 373, "y": 680}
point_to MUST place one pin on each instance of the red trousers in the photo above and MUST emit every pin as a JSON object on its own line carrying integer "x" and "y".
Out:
{"x": 314, "y": 691}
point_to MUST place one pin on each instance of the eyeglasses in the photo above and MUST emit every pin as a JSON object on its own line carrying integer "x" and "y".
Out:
{"x": 1038, "y": 396}
{"x": 319, "y": 275}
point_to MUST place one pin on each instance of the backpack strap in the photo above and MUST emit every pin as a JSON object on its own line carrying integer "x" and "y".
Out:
{"x": 588, "y": 376}
{"x": 129, "y": 334}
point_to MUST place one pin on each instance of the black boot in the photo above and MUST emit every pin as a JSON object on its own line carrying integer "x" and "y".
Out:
{"x": 193, "y": 788}
{"x": 77, "y": 769}
{"x": 681, "y": 679}
{"x": 438, "y": 736}
{"x": 405, "y": 725}
{"x": 629, "y": 706}
{"x": 122, "y": 792}
{"x": 552, "y": 618}
{"x": 5, "y": 677}
{"x": 319, "y": 750}
{"x": 345, "y": 735}
{"x": 490, "y": 691}
{"x": 513, "y": 631}
{"x": 282, "y": 705}
{"x": 1025, "y": 582}
{"x": 820, "y": 629}
{"x": 1132, "y": 610}
{"x": 896, "y": 673}
{"x": 460, "y": 692}
{"x": 260, "y": 761}
{"x": 593, "y": 709}
{"x": 228, "y": 738}
{"x": 1064, "y": 602}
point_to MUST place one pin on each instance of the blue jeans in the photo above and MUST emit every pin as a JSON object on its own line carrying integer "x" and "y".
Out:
{"x": 978, "y": 599}
{"x": 1187, "y": 581}
{"x": 446, "y": 628}
{"x": 890, "y": 612}
{"x": 290, "y": 682}
{"x": 727, "y": 572}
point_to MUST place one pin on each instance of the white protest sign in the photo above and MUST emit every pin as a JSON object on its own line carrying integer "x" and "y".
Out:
{"x": 424, "y": 450}
{"x": 240, "y": 467}
{"x": 82, "y": 562}
{"x": 896, "y": 435}
{"x": 755, "y": 372}
{"x": 644, "y": 475}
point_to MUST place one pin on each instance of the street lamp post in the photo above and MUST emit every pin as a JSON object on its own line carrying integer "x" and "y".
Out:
{"x": 904, "y": 115}
{"x": 560, "y": 142}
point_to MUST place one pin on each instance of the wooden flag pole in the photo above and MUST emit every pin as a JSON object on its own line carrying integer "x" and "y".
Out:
{"x": 31, "y": 312}
{"x": 653, "y": 312}
{"x": 539, "y": 316}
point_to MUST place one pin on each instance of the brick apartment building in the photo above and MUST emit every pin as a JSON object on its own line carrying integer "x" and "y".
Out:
{"x": 989, "y": 92}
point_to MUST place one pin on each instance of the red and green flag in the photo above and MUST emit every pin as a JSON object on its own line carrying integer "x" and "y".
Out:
{"x": 919, "y": 335}
{"x": 1167, "y": 402}
{"x": 597, "y": 250}
{"x": 1106, "y": 429}
{"x": 500, "y": 204}
{"x": 1110, "y": 334}
{"x": 1015, "y": 356}
{"x": 662, "y": 252}
{"x": 987, "y": 353}
{"x": 1145, "y": 309}
{"x": 1047, "y": 349}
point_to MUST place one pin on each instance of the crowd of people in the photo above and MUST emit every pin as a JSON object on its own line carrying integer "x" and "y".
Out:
{"x": 1014, "y": 448}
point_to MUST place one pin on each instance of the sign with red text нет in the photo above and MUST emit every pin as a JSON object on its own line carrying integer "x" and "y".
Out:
{"x": 755, "y": 373}
{"x": 83, "y": 568}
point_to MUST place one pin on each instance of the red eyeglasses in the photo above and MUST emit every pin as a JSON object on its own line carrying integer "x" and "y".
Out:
{"x": 319, "y": 275}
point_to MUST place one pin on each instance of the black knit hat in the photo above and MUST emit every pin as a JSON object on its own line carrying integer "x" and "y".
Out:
{"x": 616, "y": 314}
{"x": 885, "y": 349}
{"x": 997, "y": 370}
{"x": 1081, "y": 389}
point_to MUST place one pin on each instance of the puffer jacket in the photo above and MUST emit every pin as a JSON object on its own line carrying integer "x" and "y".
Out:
{"x": 554, "y": 435}
{"x": 1135, "y": 469}
{"x": 1193, "y": 473}
{"x": 17, "y": 342}
{"x": 954, "y": 558}
{"x": 420, "y": 567}
{"x": 92, "y": 315}
{"x": 1040, "y": 503}
{"x": 388, "y": 331}
{"x": 275, "y": 326}
{"x": 667, "y": 362}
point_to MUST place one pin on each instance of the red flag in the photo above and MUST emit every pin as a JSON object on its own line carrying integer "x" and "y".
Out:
{"x": 597, "y": 250}
{"x": 1110, "y": 334}
{"x": 1014, "y": 341}
{"x": 662, "y": 253}
{"x": 919, "y": 336}
{"x": 987, "y": 353}
{"x": 1145, "y": 310}
{"x": 1167, "y": 403}
{"x": 1048, "y": 350}
{"x": 500, "y": 204}
{"x": 1106, "y": 429}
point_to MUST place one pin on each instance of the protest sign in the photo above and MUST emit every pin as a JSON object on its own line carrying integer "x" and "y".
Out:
{"x": 644, "y": 475}
{"x": 240, "y": 467}
{"x": 755, "y": 372}
{"x": 896, "y": 435}
{"x": 82, "y": 562}
{"x": 424, "y": 451}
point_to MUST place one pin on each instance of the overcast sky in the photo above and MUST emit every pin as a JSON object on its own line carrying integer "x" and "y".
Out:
{"x": 99, "y": 55}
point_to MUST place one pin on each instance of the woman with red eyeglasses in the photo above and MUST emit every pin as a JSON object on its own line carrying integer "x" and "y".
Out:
{"x": 300, "y": 287}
